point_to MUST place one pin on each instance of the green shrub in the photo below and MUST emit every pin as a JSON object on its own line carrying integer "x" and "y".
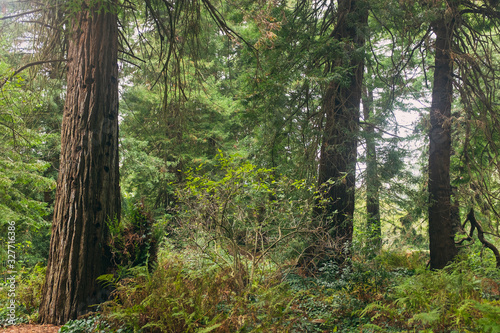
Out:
{"x": 92, "y": 324}
{"x": 490, "y": 321}
{"x": 28, "y": 292}
{"x": 397, "y": 260}
{"x": 245, "y": 215}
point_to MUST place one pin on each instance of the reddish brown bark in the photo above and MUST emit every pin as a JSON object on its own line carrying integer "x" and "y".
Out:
{"x": 88, "y": 192}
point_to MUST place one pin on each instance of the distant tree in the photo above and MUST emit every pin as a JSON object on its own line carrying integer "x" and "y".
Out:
{"x": 465, "y": 59}
{"x": 281, "y": 99}
{"x": 341, "y": 106}
{"x": 372, "y": 174}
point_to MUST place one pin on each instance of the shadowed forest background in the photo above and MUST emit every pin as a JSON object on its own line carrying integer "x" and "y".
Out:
{"x": 251, "y": 166}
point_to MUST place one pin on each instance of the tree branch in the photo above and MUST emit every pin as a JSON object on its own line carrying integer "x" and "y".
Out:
{"x": 20, "y": 14}
{"x": 480, "y": 234}
{"x": 31, "y": 64}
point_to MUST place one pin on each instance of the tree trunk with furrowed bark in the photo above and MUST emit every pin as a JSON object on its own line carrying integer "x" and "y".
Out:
{"x": 88, "y": 193}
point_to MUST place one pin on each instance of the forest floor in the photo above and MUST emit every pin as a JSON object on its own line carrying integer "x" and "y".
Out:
{"x": 25, "y": 328}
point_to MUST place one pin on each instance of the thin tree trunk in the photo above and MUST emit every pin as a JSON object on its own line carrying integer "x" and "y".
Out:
{"x": 442, "y": 245}
{"x": 455, "y": 212}
{"x": 372, "y": 180}
{"x": 341, "y": 104}
{"x": 88, "y": 192}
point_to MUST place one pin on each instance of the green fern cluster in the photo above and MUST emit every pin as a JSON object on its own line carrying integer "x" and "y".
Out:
{"x": 189, "y": 294}
{"x": 440, "y": 301}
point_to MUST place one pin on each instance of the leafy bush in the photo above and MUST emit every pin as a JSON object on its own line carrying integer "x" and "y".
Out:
{"x": 332, "y": 300}
{"x": 409, "y": 260}
{"x": 245, "y": 216}
{"x": 92, "y": 324}
{"x": 20, "y": 318}
{"x": 29, "y": 290}
{"x": 133, "y": 242}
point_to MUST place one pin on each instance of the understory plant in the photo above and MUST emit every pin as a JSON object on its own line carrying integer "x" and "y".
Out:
{"x": 28, "y": 289}
{"x": 462, "y": 297}
{"x": 245, "y": 216}
{"x": 187, "y": 293}
{"x": 133, "y": 241}
{"x": 90, "y": 324}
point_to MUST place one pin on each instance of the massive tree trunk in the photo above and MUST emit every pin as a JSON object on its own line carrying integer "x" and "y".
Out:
{"x": 341, "y": 104}
{"x": 372, "y": 179}
{"x": 88, "y": 192}
{"x": 441, "y": 236}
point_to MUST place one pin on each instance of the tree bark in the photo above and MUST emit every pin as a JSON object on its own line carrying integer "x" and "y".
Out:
{"x": 341, "y": 104}
{"x": 88, "y": 193}
{"x": 441, "y": 237}
{"x": 372, "y": 180}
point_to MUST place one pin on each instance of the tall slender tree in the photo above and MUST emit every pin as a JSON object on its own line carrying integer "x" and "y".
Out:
{"x": 372, "y": 178}
{"x": 88, "y": 193}
{"x": 441, "y": 236}
{"x": 341, "y": 105}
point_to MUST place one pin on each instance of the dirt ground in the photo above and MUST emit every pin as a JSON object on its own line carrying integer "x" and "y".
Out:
{"x": 25, "y": 328}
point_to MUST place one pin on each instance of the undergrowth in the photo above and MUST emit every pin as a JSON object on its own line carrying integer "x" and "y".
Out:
{"x": 187, "y": 292}
{"x": 463, "y": 297}
{"x": 392, "y": 293}
{"x": 28, "y": 289}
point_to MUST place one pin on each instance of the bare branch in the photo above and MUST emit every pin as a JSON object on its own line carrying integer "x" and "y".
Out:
{"x": 20, "y": 14}
{"x": 480, "y": 234}
{"x": 31, "y": 64}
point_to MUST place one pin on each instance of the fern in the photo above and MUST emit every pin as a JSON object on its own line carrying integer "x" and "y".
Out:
{"x": 491, "y": 316}
{"x": 426, "y": 318}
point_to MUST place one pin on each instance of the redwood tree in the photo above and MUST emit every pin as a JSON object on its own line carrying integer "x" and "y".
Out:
{"x": 88, "y": 194}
